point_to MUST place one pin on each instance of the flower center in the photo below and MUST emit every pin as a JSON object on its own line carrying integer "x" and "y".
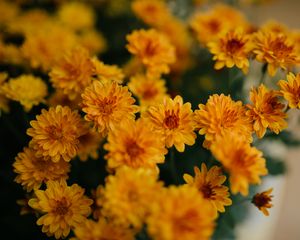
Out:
{"x": 261, "y": 200}
{"x": 55, "y": 132}
{"x": 214, "y": 26}
{"x": 149, "y": 93}
{"x": 207, "y": 191}
{"x": 133, "y": 149}
{"x": 62, "y": 207}
{"x": 171, "y": 120}
{"x": 150, "y": 49}
{"x": 234, "y": 45}
{"x": 107, "y": 106}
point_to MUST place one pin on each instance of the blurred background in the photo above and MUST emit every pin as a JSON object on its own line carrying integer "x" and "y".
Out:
{"x": 283, "y": 222}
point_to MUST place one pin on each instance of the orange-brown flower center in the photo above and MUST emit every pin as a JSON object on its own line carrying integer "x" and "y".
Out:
{"x": 261, "y": 200}
{"x": 214, "y": 26}
{"x": 150, "y": 92}
{"x": 62, "y": 207}
{"x": 207, "y": 190}
{"x": 234, "y": 45}
{"x": 150, "y": 48}
{"x": 55, "y": 132}
{"x": 185, "y": 223}
{"x": 107, "y": 105}
{"x": 280, "y": 49}
{"x": 171, "y": 120}
{"x": 133, "y": 149}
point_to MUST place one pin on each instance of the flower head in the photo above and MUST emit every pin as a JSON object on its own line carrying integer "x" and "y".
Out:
{"x": 55, "y": 133}
{"x": 173, "y": 119}
{"x": 291, "y": 89}
{"x": 26, "y": 89}
{"x": 63, "y": 207}
{"x": 209, "y": 184}
{"x": 152, "y": 12}
{"x": 209, "y": 25}
{"x": 153, "y": 49}
{"x": 181, "y": 213}
{"x": 128, "y": 194}
{"x": 33, "y": 171}
{"x": 106, "y": 72}
{"x": 266, "y": 111}
{"x": 73, "y": 72}
{"x": 244, "y": 163}
{"x": 220, "y": 116}
{"x": 102, "y": 230}
{"x": 107, "y": 104}
{"x": 263, "y": 201}
{"x": 76, "y": 15}
{"x": 232, "y": 49}
{"x": 277, "y": 50}
{"x": 4, "y": 101}
{"x": 134, "y": 145}
{"x": 149, "y": 90}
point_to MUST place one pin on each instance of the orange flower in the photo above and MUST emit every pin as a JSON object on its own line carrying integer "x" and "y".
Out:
{"x": 232, "y": 49}
{"x": 153, "y": 49}
{"x": 107, "y": 104}
{"x": 63, "y": 207}
{"x": 263, "y": 201}
{"x": 209, "y": 183}
{"x": 33, "y": 171}
{"x": 291, "y": 89}
{"x": 244, "y": 163}
{"x": 220, "y": 116}
{"x": 277, "y": 50}
{"x": 152, "y": 12}
{"x": 55, "y": 133}
{"x": 173, "y": 119}
{"x": 106, "y": 72}
{"x": 180, "y": 213}
{"x": 134, "y": 145}
{"x": 73, "y": 72}
{"x": 266, "y": 111}
{"x": 150, "y": 90}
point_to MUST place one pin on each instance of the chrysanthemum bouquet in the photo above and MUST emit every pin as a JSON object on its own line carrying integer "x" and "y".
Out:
{"x": 140, "y": 119}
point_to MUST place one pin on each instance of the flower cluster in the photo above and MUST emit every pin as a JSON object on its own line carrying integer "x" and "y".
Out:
{"x": 136, "y": 121}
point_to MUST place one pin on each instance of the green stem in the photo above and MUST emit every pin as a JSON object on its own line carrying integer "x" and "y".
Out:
{"x": 173, "y": 168}
{"x": 263, "y": 73}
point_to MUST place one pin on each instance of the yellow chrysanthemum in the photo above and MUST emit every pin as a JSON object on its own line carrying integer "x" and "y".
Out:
{"x": 73, "y": 72}
{"x": 244, "y": 163}
{"x": 4, "y": 102}
{"x": 180, "y": 213}
{"x": 89, "y": 143}
{"x": 291, "y": 89}
{"x": 76, "y": 15}
{"x": 263, "y": 201}
{"x": 266, "y": 111}
{"x": 173, "y": 119}
{"x": 33, "y": 171}
{"x": 102, "y": 230}
{"x": 63, "y": 208}
{"x": 107, "y": 104}
{"x": 232, "y": 49}
{"x": 128, "y": 194}
{"x": 149, "y": 90}
{"x": 44, "y": 46}
{"x": 153, "y": 49}
{"x": 135, "y": 145}
{"x": 26, "y": 89}
{"x": 56, "y": 133}
{"x": 209, "y": 183}
{"x": 105, "y": 72}
{"x": 209, "y": 25}
{"x": 152, "y": 12}
{"x": 220, "y": 116}
{"x": 277, "y": 50}
{"x": 93, "y": 41}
